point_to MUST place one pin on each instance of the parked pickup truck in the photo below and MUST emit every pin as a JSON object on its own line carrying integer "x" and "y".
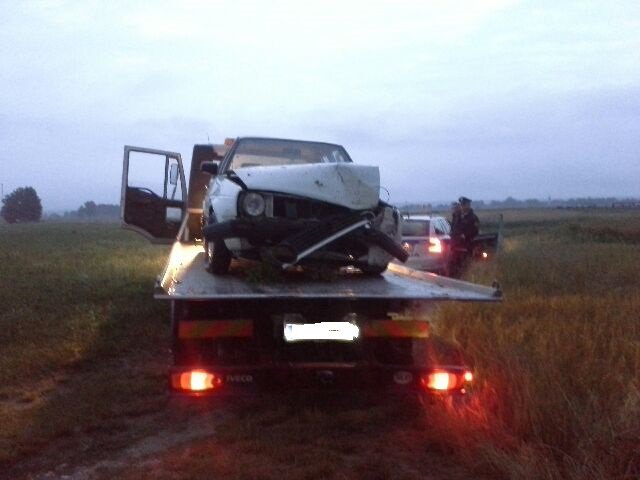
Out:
{"x": 238, "y": 333}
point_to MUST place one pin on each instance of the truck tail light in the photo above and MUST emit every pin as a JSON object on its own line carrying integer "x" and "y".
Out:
{"x": 195, "y": 381}
{"x": 443, "y": 380}
{"x": 435, "y": 245}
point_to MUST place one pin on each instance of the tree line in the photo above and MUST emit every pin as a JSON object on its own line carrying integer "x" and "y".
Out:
{"x": 23, "y": 205}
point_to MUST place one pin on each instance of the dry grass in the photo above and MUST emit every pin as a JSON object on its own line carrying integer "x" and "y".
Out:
{"x": 84, "y": 352}
{"x": 559, "y": 362}
{"x": 81, "y": 340}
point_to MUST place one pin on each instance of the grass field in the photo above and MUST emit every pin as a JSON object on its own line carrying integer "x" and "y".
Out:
{"x": 84, "y": 351}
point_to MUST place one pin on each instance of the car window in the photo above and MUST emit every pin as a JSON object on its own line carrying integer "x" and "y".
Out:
{"x": 415, "y": 228}
{"x": 263, "y": 152}
{"x": 445, "y": 226}
{"x": 441, "y": 226}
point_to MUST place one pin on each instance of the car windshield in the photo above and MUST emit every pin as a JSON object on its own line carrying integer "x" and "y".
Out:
{"x": 415, "y": 228}
{"x": 261, "y": 152}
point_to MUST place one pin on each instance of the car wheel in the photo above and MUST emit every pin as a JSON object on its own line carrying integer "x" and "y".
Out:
{"x": 372, "y": 269}
{"x": 218, "y": 257}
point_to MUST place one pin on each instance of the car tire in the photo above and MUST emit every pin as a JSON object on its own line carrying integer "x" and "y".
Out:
{"x": 373, "y": 269}
{"x": 218, "y": 257}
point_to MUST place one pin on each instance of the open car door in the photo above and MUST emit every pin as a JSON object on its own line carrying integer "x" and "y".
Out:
{"x": 153, "y": 201}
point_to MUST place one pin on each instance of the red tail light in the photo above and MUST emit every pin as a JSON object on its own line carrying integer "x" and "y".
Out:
{"x": 435, "y": 245}
{"x": 195, "y": 381}
{"x": 442, "y": 380}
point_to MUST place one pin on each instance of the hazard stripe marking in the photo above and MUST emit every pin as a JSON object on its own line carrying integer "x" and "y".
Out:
{"x": 391, "y": 328}
{"x": 215, "y": 328}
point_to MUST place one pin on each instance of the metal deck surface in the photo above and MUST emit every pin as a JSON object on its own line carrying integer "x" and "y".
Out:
{"x": 185, "y": 278}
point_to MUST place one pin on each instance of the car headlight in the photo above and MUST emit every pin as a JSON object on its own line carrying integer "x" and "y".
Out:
{"x": 253, "y": 204}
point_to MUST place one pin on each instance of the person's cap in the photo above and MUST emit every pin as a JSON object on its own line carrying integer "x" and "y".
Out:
{"x": 464, "y": 200}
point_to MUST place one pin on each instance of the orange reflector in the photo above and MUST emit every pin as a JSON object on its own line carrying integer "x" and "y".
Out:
{"x": 396, "y": 328}
{"x": 192, "y": 329}
{"x": 195, "y": 381}
{"x": 435, "y": 245}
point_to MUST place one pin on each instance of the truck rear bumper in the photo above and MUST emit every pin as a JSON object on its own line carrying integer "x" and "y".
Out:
{"x": 252, "y": 380}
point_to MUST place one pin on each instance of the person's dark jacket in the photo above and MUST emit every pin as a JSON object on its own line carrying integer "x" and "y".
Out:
{"x": 465, "y": 227}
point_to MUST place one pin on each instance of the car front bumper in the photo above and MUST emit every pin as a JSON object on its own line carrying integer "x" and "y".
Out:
{"x": 272, "y": 232}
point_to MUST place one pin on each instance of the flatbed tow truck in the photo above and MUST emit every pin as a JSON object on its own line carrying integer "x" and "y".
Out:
{"x": 234, "y": 334}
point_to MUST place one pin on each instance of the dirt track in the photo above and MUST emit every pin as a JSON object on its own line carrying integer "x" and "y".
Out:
{"x": 228, "y": 438}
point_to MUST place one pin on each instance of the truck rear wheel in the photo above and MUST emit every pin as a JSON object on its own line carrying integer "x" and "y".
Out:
{"x": 218, "y": 257}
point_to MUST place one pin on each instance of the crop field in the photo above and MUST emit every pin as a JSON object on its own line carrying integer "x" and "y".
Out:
{"x": 84, "y": 350}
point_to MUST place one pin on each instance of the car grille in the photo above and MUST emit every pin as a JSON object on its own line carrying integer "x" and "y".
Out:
{"x": 301, "y": 208}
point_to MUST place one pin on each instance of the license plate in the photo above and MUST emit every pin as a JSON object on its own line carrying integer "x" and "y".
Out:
{"x": 341, "y": 331}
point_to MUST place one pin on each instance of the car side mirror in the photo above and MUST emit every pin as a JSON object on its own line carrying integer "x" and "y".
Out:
{"x": 209, "y": 167}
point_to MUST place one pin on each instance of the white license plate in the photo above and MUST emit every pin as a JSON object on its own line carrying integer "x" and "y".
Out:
{"x": 341, "y": 331}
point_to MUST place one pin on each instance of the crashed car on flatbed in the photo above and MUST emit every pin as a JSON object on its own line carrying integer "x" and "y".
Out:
{"x": 290, "y": 202}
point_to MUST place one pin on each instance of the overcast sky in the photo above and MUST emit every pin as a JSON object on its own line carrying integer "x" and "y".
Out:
{"x": 483, "y": 98}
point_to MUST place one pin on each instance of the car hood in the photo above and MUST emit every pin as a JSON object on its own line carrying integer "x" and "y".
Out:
{"x": 353, "y": 186}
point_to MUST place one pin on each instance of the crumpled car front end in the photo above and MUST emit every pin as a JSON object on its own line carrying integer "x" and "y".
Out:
{"x": 289, "y": 230}
{"x": 299, "y": 214}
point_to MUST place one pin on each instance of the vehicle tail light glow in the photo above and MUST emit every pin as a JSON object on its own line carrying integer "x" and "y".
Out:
{"x": 435, "y": 245}
{"x": 442, "y": 380}
{"x": 195, "y": 381}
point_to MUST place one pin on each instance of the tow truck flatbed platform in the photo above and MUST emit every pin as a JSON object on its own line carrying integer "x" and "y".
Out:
{"x": 185, "y": 278}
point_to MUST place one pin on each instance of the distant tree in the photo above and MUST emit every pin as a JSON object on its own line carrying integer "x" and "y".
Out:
{"x": 21, "y": 205}
{"x": 95, "y": 211}
{"x": 89, "y": 209}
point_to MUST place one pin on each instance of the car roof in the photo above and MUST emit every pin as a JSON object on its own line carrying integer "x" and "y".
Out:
{"x": 290, "y": 140}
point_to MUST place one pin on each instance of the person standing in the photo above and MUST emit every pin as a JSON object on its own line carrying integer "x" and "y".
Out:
{"x": 456, "y": 209}
{"x": 468, "y": 222}
{"x": 464, "y": 228}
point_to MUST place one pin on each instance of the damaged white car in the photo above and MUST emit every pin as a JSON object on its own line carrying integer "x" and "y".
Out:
{"x": 292, "y": 202}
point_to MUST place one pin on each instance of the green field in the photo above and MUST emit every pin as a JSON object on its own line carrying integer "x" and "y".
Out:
{"x": 84, "y": 350}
